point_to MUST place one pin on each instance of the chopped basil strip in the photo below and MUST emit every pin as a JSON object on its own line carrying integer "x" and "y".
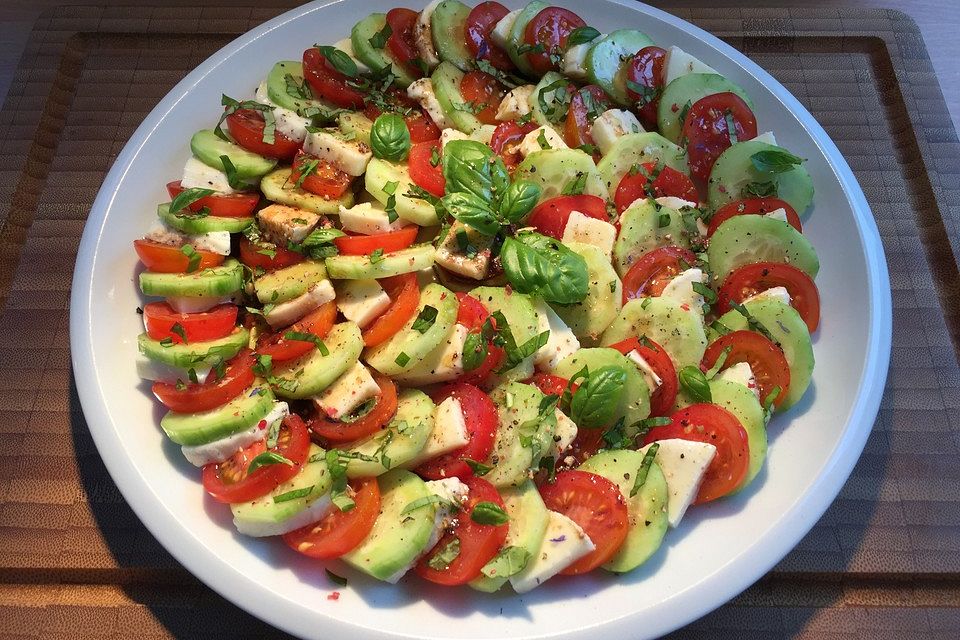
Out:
{"x": 489, "y": 513}
{"x": 443, "y": 557}
{"x": 267, "y": 458}
{"x": 296, "y": 494}
{"x": 641, "y": 477}
{"x": 425, "y": 319}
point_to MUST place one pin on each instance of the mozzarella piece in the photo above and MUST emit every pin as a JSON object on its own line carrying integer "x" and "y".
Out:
{"x": 583, "y": 228}
{"x": 354, "y": 387}
{"x": 674, "y": 202}
{"x": 611, "y": 126}
{"x": 317, "y": 510}
{"x": 422, "y": 91}
{"x": 564, "y": 542}
{"x": 501, "y": 32}
{"x": 223, "y": 449}
{"x": 369, "y": 218}
{"x": 741, "y": 373}
{"x": 778, "y": 214}
{"x": 780, "y": 294}
{"x": 679, "y": 63}
{"x": 281, "y": 223}
{"x": 148, "y": 369}
{"x": 767, "y": 137}
{"x": 515, "y": 104}
{"x": 684, "y": 463}
{"x": 574, "y": 61}
{"x": 484, "y": 134}
{"x": 351, "y": 156}
{"x": 681, "y": 289}
{"x": 361, "y": 301}
{"x": 449, "y": 135}
{"x": 449, "y": 432}
{"x": 286, "y": 313}
{"x": 289, "y": 123}
{"x": 451, "y": 257}
{"x": 215, "y": 241}
{"x": 423, "y": 36}
{"x": 346, "y": 45}
{"x": 196, "y": 304}
{"x": 565, "y": 435}
{"x": 561, "y": 342}
{"x": 200, "y": 176}
{"x": 531, "y": 141}
{"x": 649, "y": 375}
{"x": 442, "y": 364}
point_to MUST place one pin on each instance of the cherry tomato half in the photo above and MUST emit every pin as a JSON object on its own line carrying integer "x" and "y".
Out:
{"x": 550, "y": 216}
{"x": 369, "y": 423}
{"x": 401, "y": 43}
{"x": 480, "y": 415}
{"x": 328, "y": 83}
{"x": 281, "y": 349}
{"x": 325, "y": 180}
{"x": 221, "y": 205}
{"x": 161, "y": 320}
{"x": 753, "y": 206}
{"x": 646, "y": 70}
{"x": 404, "y": 294}
{"x": 274, "y": 257}
{"x": 246, "y": 128}
{"x": 483, "y": 90}
{"x": 705, "y": 130}
{"x": 549, "y": 30}
{"x": 751, "y": 279}
{"x": 194, "y": 398}
{"x": 649, "y": 275}
{"x": 766, "y": 360}
{"x": 167, "y": 258}
{"x": 480, "y": 23}
{"x": 586, "y": 105}
{"x": 426, "y": 169}
{"x": 506, "y": 141}
{"x": 386, "y": 242}
{"x": 341, "y": 531}
{"x": 663, "y": 398}
{"x": 666, "y": 182}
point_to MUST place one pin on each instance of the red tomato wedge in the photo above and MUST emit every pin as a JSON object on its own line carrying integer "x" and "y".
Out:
{"x": 661, "y": 400}
{"x": 369, "y": 423}
{"x": 646, "y": 71}
{"x": 318, "y": 322}
{"x": 586, "y": 105}
{"x": 766, "y": 360}
{"x": 480, "y": 415}
{"x": 387, "y": 242}
{"x": 480, "y": 23}
{"x": 714, "y": 425}
{"x": 275, "y": 257}
{"x": 328, "y": 83}
{"x": 550, "y": 216}
{"x": 230, "y": 481}
{"x": 246, "y": 128}
{"x": 506, "y": 141}
{"x": 165, "y": 258}
{"x": 548, "y": 31}
{"x": 753, "y": 206}
{"x": 478, "y": 542}
{"x": 193, "y": 398}
{"x": 594, "y": 503}
{"x": 404, "y": 294}
{"x": 424, "y": 173}
{"x": 472, "y": 314}
{"x": 649, "y": 275}
{"x": 400, "y": 43}
{"x": 324, "y": 179}
{"x": 549, "y": 384}
{"x": 483, "y": 90}
{"x": 161, "y": 320}
{"x": 666, "y": 182}
{"x": 706, "y": 130}
{"x": 221, "y": 205}
{"x": 751, "y": 279}
{"x": 341, "y": 531}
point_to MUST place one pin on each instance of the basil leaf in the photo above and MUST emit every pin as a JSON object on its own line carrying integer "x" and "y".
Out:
{"x": 641, "y": 477}
{"x": 379, "y": 39}
{"x": 471, "y": 210}
{"x": 582, "y": 35}
{"x": 478, "y": 468}
{"x": 576, "y": 186}
{"x": 519, "y": 200}
{"x": 695, "y": 384}
{"x": 543, "y": 267}
{"x": 389, "y": 137}
{"x": 759, "y": 190}
{"x": 339, "y": 60}
{"x": 774, "y": 161}
{"x": 425, "y": 320}
{"x": 595, "y": 402}
{"x": 509, "y": 562}
{"x": 267, "y": 458}
{"x": 474, "y": 351}
{"x": 489, "y": 513}
{"x": 187, "y": 197}
{"x": 443, "y": 557}
{"x": 473, "y": 167}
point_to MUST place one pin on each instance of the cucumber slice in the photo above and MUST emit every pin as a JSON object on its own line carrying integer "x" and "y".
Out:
{"x": 277, "y": 187}
{"x": 397, "y": 443}
{"x": 635, "y": 402}
{"x": 522, "y": 318}
{"x": 664, "y": 321}
{"x": 310, "y": 374}
{"x": 589, "y": 317}
{"x": 241, "y": 413}
{"x": 215, "y": 282}
{"x": 790, "y": 332}
{"x": 528, "y": 523}
{"x": 553, "y": 169}
{"x": 193, "y": 225}
{"x": 281, "y": 96}
{"x": 397, "y": 539}
{"x": 356, "y": 125}
{"x": 378, "y": 178}
{"x": 687, "y": 90}
{"x": 195, "y": 354}
{"x": 608, "y": 61}
{"x": 640, "y": 231}
{"x": 369, "y": 55}
{"x": 517, "y": 421}
{"x": 518, "y": 34}
{"x": 637, "y": 148}
{"x": 646, "y": 511}
{"x": 744, "y": 240}
{"x": 208, "y": 148}
{"x": 550, "y": 101}
{"x": 447, "y": 25}
{"x": 734, "y": 171}
{"x": 290, "y": 282}
{"x": 741, "y": 402}
{"x": 409, "y": 345}
{"x": 415, "y": 258}
{"x": 445, "y": 80}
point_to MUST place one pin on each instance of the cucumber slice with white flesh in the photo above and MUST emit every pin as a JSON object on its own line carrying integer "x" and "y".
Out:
{"x": 187, "y": 222}
{"x": 522, "y": 318}
{"x": 214, "y": 282}
{"x": 554, "y": 169}
{"x": 642, "y": 229}
{"x": 743, "y": 240}
{"x": 518, "y": 36}
{"x": 734, "y": 177}
{"x": 742, "y": 402}
{"x": 685, "y": 91}
{"x": 589, "y": 317}
{"x": 447, "y": 25}
{"x": 445, "y": 80}
{"x": 281, "y": 285}
{"x": 680, "y": 332}
{"x": 608, "y": 61}
{"x": 398, "y": 442}
{"x": 280, "y": 81}
{"x": 635, "y": 149}
{"x": 383, "y": 176}
{"x": 546, "y": 102}
{"x": 310, "y": 374}
{"x": 241, "y": 413}
{"x": 634, "y": 402}
{"x": 522, "y": 437}
{"x": 376, "y": 58}
{"x": 278, "y": 187}
{"x": 195, "y": 354}
{"x": 407, "y": 260}
{"x": 208, "y": 148}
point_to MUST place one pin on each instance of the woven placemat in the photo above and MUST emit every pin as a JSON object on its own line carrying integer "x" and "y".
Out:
{"x": 884, "y": 562}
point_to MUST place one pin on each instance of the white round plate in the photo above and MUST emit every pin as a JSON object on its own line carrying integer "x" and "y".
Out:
{"x": 718, "y": 550}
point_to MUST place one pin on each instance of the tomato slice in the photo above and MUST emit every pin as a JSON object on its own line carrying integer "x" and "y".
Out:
{"x": 714, "y": 425}
{"x": 328, "y": 83}
{"x": 586, "y": 105}
{"x": 550, "y": 29}
{"x": 160, "y": 320}
{"x": 550, "y": 216}
{"x": 765, "y": 358}
{"x": 404, "y": 294}
{"x": 661, "y": 400}
{"x": 667, "y": 182}
{"x": 165, "y": 258}
{"x": 594, "y": 503}
{"x": 341, "y": 531}
{"x": 246, "y": 128}
{"x": 753, "y": 206}
{"x": 480, "y": 415}
{"x": 751, "y": 279}
{"x": 506, "y": 141}
{"x": 649, "y": 275}
{"x": 194, "y": 398}
{"x": 482, "y": 89}
{"x": 424, "y": 173}
{"x": 480, "y": 23}
{"x": 401, "y": 43}
{"x": 549, "y": 384}
{"x": 472, "y": 314}
{"x": 387, "y": 242}
{"x": 275, "y": 257}
{"x": 705, "y": 130}
{"x": 318, "y": 322}
{"x": 383, "y": 410}
{"x": 221, "y": 205}
{"x": 230, "y": 481}
{"x": 325, "y": 180}
{"x": 646, "y": 70}
{"x": 479, "y": 543}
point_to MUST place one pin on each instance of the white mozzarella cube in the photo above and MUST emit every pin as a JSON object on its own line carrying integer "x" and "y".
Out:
{"x": 289, "y": 123}
{"x": 533, "y": 141}
{"x": 741, "y": 373}
{"x": 317, "y": 510}
{"x": 674, "y": 202}
{"x": 286, "y": 313}
{"x": 354, "y": 387}
{"x": 778, "y": 214}
{"x": 223, "y": 449}
{"x": 422, "y": 91}
{"x": 361, "y": 301}
{"x": 679, "y": 63}
{"x": 561, "y": 342}
{"x": 280, "y": 223}
{"x": 501, "y": 32}
{"x": 351, "y": 156}
{"x": 684, "y": 463}
{"x": 148, "y": 369}
{"x": 196, "y": 304}
{"x": 612, "y": 125}
{"x": 516, "y": 103}
{"x": 574, "y": 61}
{"x": 449, "y": 433}
{"x": 346, "y": 45}
{"x": 443, "y": 364}
{"x": 649, "y": 375}
{"x": 423, "y": 36}
{"x": 215, "y": 241}
{"x": 197, "y": 175}
{"x": 473, "y": 263}
{"x": 681, "y": 289}
{"x": 564, "y": 542}
{"x": 583, "y": 228}
{"x": 565, "y": 435}
{"x": 780, "y": 294}
{"x": 767, "y": 137}
{"x": 369, "y": 218}
{"x": 449, "y": 135}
